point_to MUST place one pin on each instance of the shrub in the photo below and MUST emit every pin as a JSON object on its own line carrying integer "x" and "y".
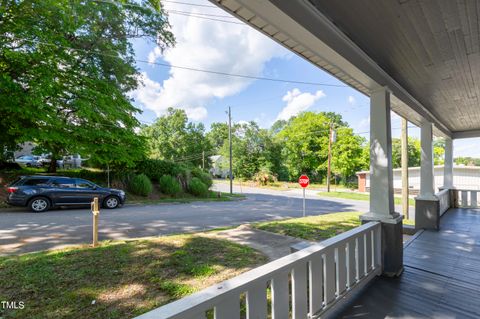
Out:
{"x": 141, "y": 185}
{"x": 156, "y": 168}
{"x": 197, "y": 188}
{"x": 184, "y": 176}
{"x": 264, "y": 177}
{"x": 169, "y": 185}
{"x": 205, "y": 177}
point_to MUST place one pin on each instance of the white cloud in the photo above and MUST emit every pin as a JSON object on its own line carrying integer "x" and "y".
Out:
{"x": 351, "y": 100}
{"x": 208, "y": 45}
{"x": 363, "y": 125}
{"x": 154, "y": 55}
{"x": 152, "y": 96}
{"x": 298, "y": 102}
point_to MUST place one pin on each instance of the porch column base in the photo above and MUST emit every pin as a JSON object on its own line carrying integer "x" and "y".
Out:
{"x": 392, "y": 242}
{"x": 427, "y": 213}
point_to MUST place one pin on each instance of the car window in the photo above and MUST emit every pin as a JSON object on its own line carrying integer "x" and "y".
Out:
{"x": 64, "y": 182}
{"x": 35, "y": 181}
{"x": 81, "y": 183}
{"x": 15, "y": 181}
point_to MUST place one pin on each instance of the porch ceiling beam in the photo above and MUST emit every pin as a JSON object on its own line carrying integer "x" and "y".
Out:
{"x": 302, "y": 26}
{"x": 465, "y": 134}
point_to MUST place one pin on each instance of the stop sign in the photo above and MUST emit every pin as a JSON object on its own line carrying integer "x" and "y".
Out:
{"x": 304, "y": 181}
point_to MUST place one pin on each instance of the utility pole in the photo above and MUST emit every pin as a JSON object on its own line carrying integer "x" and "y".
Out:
{"x": 230, "y": 146}
{"x": 203, "y": 160}
{"x": 330, "y": 138}
{"x": 404, "y": 145}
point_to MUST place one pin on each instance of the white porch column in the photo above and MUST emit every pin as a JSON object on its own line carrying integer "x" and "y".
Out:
{"x": 382, "y": 207}
{"x": 427, "y": 205}
{"x": 448, "y": 166}
{"x": 427, "y": 190}
{"x": 381, "y": 174}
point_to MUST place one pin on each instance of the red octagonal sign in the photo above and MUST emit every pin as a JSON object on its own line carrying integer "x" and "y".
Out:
{"x": 304, "y": 181}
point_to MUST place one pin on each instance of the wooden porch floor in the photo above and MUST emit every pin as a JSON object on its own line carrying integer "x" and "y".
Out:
{"x": 441, "y": 277}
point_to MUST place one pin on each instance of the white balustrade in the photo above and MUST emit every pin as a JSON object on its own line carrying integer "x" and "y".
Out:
{"x": 467, "y": 198}
{"x": 305, "y": 284}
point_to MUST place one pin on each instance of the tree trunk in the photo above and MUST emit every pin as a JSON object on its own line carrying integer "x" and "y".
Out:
{"x": 52, "y": 168}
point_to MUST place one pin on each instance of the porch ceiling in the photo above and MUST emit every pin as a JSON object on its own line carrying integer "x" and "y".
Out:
{"x": 430, "y": 47}
{"x": 426, "y": 52}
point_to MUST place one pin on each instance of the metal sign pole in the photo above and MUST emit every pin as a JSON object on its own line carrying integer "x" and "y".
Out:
{"x": 304, "y": 202}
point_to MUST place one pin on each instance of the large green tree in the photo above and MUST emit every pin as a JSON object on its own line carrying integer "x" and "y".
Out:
{"x": 413, "y": 152}
{"x": 66, "y": 67}
{"x": 254, "y": 149}
{"x": 305, "y": 146}
{"x": 172, "y": 137}
{"x": 217, "y": 135}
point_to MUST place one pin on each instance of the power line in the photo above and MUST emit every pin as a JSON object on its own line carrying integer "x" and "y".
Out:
{"x": 207, "y": 18}
{"x": 201, "y": 14}
{"x": 168, "y": 1}
{"x": 243, "y": 75}
{"x": 252, "y": 77}
{"x": 192, "y": 4}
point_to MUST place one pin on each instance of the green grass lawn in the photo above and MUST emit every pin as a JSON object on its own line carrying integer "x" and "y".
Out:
{"x": 185, "y": 198}
{"x": 279, "y": 185}
{"x": 358, "y": 196}
{"x": 119, "y": 279}
{"x": 315, "y": 228}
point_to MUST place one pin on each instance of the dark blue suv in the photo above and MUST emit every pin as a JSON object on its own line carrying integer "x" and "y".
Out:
{"x": 40, "y": 193}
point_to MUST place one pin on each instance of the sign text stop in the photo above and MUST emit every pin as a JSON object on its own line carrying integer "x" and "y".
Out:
{"x": 304, "y": 181}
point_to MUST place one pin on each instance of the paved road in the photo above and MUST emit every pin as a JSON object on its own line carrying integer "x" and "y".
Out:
{"x": 22, "y": 232}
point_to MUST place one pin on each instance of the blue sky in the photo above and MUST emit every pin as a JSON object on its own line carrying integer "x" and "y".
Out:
{"x": 228, "y": 46}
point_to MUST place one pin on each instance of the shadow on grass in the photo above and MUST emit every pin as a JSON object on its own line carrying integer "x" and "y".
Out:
{"x": 118, "y": 280}
{"x": 313, "y": 228}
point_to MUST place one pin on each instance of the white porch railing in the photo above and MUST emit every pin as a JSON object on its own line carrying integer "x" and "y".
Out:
{"x": 305, "y": 284}
{"x": 444, "y": 200}
{"x": 467, "y": 198}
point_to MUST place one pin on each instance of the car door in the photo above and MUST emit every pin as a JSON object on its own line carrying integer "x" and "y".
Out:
{"x": 86, "y": 191}
{"x": 63, "y": 191}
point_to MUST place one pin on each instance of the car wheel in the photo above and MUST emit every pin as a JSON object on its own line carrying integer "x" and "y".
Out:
{"x": 111, "y": 202}
{"x": 39, "y": 204}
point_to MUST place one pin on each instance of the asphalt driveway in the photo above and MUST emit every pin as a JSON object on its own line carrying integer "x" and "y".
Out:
{"x": 22, "y": 232}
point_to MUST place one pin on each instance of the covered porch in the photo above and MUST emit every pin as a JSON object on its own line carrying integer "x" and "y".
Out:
{"x": 440, "y": 278}
{"x": 420, "y": 59}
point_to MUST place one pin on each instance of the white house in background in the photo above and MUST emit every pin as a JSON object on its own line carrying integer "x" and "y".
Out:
{"x": 464, "y": 177}
{"x": 219, "y": 165}
{"x": 24, "y": 149}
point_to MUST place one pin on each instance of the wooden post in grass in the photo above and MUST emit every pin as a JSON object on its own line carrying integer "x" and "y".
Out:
{"x": 95, "y": 212}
